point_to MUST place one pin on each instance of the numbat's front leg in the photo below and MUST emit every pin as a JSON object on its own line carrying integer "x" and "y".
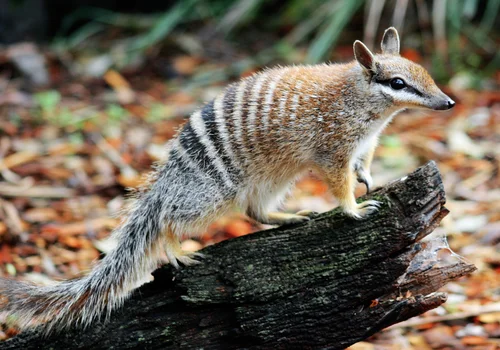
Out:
{"x": 362, "y": 167}
{"x": 363, "y": 176}
{"x": 341, "y": 182}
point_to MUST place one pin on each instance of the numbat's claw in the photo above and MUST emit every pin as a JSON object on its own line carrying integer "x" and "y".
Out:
{"x": 364, "y": 177}
{"x": 363, "y": 209}
{"x": 307, "y": 213}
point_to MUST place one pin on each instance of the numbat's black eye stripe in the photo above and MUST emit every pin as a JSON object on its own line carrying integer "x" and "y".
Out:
{"x": 387, "y": 82}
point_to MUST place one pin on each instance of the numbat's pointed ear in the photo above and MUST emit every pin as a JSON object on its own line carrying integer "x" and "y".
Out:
{"x": 390, "y": 41}
{"x": 364, "y": 56}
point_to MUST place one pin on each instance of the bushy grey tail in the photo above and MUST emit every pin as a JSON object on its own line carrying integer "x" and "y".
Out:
{"x": 79, "y": 302}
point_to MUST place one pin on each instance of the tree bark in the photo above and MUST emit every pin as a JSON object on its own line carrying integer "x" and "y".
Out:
{"x": 327, "y": 283}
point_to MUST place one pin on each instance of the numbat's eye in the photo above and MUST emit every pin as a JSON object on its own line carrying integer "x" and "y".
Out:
{"x": 397, "y": 83}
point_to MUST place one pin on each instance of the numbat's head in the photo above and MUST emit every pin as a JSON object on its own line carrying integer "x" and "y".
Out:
{"x": 394, "y": 79}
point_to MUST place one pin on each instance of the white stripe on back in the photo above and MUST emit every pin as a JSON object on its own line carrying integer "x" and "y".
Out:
{"x": 269, "y": 101}
{"x": 184, "y": 156}
{"x": 238, "y": 112}
{"x": 254, "y": 105}
{"x": 283, "y": 101}
{"x": 221, "y": 127}
{"x": 295, "y": 103}
{"x": 199, "y": 128}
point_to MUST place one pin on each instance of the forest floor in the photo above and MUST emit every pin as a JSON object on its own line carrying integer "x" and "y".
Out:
{"x": 70, "y": 147}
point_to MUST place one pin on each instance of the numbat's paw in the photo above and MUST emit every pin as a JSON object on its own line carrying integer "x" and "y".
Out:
{"x": 176, "y": 255}
{"x": 364, "y": 177}
{"x": 308, "y": 213}
{"x": 363, "y": 210}
{"x": 284, "y": 219}
{"x": 187, "y": 258}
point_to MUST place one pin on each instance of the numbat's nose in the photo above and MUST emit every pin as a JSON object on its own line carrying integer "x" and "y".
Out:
{"x": 448, "y": 104}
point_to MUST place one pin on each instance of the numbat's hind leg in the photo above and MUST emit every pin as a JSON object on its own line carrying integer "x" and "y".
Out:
{"x": 175, "y": 254}
{"x": 275, "y": 218}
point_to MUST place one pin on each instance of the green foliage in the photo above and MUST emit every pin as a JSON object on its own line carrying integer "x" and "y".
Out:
{"x": 49, "y": 109}
{"x": 47, "y": 100}
{"x": 163, "y": 26}
{"x": 157, "y": 112}
{"x": 390, "y": 141}
{"x": 15, "y": 119}
{"x": 116, "y": 113}
{"x": 315, "y": 25}
{"x": 458, "y": 16}
{"x": 340, "y": 15}
{"x": 76, "y": 138}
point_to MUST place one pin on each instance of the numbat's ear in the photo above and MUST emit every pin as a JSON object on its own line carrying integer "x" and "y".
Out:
{"x": 364, "y": 56}
{"x": 390, "y": 41}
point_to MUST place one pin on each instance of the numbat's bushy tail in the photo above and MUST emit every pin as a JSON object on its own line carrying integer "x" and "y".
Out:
{"x": 81, "y": 301}
{"x": 245, "y": 148}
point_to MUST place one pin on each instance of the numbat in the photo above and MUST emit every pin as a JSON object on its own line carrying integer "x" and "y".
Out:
{"x": 244, "y": 149}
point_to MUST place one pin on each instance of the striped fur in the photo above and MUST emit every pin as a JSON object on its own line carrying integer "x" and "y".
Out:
{"x": 245, "y": 149}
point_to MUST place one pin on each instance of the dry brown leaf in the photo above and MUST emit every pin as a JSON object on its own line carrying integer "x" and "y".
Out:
{"x": 121, "y": 86}
{"x": 18, "y": 158}
{"x": 40, "y": 215}
{"x": 82, "y": 227}
{"x": 238, "y": 228}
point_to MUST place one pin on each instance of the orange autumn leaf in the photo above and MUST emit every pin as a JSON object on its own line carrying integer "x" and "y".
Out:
{"x": 238, "y": 228}
{"x": 474, "y": 340}
{"x": 186, "y": 64}
{"x": 412, "y": 55}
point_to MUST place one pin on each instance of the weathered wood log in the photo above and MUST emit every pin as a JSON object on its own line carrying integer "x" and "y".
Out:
{"x": 327, "y": 283}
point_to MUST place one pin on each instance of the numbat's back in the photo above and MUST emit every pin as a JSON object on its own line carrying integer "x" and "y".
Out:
{"x": 244, "y": 149}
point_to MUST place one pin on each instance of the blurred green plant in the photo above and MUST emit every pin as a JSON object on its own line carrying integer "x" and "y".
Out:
{"x": 456, "y": 34}
{"x": 157, "y": 112}
{"x": 47, "y": 100}
{"x": 390, "y": 141}
{"x": 334, "y": 22}
{"x": 49, "y": 109}
{"x": 154, "y": 29}
{"x": 116, "y": 113}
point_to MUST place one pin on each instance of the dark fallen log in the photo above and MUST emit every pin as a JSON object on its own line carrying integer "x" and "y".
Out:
{"x": 327, "y": 283}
